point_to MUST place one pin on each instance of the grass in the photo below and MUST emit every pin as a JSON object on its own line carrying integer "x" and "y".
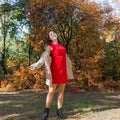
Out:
{"x": 29, "y": 105}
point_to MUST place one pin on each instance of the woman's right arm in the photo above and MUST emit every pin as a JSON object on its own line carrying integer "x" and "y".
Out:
{"x": 41, "y": 61}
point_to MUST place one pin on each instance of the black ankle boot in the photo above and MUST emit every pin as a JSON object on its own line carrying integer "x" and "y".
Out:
{"x": 60, "y": 114}
{"x": 45, "y": 114}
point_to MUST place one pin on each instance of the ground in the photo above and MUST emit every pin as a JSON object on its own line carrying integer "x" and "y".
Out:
{"x": 29, "y": 105}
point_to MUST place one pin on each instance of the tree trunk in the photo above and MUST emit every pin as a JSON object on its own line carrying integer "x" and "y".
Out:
{"x": 2, "y": 62}
{"x": 29, "y": 53}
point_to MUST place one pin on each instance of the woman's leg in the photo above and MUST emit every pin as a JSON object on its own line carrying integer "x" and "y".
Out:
{"x": 61, "y": 89}
{"x": 50, "y": 95}
{"x": 49, "y": 99}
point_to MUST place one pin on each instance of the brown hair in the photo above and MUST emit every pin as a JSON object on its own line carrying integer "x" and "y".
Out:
{"x": 49, "y": 41}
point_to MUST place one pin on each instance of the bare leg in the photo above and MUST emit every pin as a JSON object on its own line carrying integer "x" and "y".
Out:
{"x": 61, "y": 89}
{"x": 50, "y": 95}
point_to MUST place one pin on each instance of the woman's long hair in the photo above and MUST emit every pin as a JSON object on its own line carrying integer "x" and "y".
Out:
{"x": 49, "y": 41}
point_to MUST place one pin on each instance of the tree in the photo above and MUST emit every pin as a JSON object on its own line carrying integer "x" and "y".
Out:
{"x": 112, "y": 49}
{"x": 4, "y": 18}
{"x": 11, "y": 17}
{"x": 56, "y": 15}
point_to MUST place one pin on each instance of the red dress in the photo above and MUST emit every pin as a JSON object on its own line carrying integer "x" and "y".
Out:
{"x": 58, "y": 65}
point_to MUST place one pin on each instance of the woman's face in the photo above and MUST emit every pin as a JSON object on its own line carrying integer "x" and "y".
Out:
{"x": 53, "y": 36}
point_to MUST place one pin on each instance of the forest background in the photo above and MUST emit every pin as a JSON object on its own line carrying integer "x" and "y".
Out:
{"x": 88, "y": 30}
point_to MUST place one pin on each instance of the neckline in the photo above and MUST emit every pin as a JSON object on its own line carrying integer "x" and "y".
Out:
{"x": 55, "y": 43}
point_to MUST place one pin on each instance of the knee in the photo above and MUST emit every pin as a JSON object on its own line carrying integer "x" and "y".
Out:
{"x": 61, "y": 91}
{"x": 51, "y": 92}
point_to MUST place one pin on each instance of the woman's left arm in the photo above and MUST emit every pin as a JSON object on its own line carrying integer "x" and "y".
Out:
{"x": 41, "y": 61}
{"x": 69, "y": 68}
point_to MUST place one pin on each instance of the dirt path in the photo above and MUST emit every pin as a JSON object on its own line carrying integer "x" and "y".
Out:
{"x": 29, "y": 105}
{"x": 113, "y": 114}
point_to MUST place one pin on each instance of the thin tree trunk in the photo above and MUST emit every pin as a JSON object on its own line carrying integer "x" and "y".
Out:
{"x": 29, "y": 53}
{"x": 2, "y": 62}
{"x": 4, "y": 33}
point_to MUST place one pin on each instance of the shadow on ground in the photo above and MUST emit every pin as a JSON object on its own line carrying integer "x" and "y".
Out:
{"x": 29, "y": 105}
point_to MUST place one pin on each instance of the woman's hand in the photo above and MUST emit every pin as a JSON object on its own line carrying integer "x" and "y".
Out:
{"x": 32, "y": 67}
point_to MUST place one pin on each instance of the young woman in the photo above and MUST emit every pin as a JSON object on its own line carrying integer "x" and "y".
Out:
{"x": 58, "y": 72}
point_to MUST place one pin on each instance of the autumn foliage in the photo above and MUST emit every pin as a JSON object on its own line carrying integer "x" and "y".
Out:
{"x": 24, "y": 78}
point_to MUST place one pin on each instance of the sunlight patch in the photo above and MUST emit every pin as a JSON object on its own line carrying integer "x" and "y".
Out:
{"x": 10, "y": 116}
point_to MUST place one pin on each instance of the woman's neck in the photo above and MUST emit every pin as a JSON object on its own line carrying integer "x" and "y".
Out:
{"x": 55, "y": 42}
